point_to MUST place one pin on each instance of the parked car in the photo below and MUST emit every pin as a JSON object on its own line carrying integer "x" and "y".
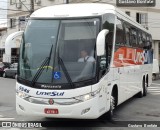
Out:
{"x": 3, "y": 65}
{"x": 155, "y": 70}
{"x": 11, "y": 71}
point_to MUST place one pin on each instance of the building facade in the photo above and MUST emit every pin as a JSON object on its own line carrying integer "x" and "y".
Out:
{"x": 3, "y": 35}
{"x": 19, "y": 10}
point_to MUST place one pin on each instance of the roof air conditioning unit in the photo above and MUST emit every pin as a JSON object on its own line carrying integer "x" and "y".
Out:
{"x": 38, "y": 2}
{"x": 19, "y": 5}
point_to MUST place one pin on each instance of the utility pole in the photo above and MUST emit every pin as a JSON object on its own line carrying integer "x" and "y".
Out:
{"x": 32, "y": 7}
{"x": 67, "y": 1}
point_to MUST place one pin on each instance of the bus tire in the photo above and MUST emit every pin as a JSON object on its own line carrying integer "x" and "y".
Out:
{"x": 145, "y": 87}
{"x": 110, "y": 113}
{"x": 141, "y": 93}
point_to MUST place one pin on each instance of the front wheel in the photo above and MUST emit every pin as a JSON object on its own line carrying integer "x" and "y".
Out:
{"x": 110, "y": 113}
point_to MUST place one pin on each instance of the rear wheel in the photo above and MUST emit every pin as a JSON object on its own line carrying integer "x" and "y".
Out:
{"x": 143, "y": 92}
{"x": 145, "y": 87}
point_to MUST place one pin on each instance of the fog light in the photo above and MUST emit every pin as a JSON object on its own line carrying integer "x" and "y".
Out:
{"x": 85, "y": 111}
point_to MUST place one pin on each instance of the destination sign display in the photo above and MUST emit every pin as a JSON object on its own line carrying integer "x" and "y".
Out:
{"x": 136, "y": 3}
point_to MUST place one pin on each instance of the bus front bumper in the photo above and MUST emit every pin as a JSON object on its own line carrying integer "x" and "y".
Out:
{"x": 84, "y": 110}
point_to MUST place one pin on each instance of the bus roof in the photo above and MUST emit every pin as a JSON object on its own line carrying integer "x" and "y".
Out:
{"x": 73, "y": 10}
{"x": 81, "y": 10}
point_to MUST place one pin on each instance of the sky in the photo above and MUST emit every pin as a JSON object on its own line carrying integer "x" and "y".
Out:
{"x": 3, "y": 13}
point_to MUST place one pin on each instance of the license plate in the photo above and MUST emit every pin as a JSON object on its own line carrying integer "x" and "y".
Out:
{"x": 50, "y": 111}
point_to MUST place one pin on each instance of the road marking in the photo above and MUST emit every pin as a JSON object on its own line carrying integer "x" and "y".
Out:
{"x": 158, "y": 88}
{"x": 155, "y": 84}
{"x": 155, "y": 93}
{"x": 4, "y": 119}
{"x": 154, "y": 90}
{"x": 13, "y": 129}
{"x": 9, "y": 128}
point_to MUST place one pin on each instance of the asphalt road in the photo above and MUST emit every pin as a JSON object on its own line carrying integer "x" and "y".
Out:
{"x": 128, "y": 113}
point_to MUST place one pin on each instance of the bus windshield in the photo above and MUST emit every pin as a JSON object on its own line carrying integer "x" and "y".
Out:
{"x": 59, "y": 51}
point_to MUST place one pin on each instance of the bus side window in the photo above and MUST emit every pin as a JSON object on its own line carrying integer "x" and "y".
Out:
{"x": 127, "y": 33}
{"x": 120, "y": 33}
{"x": 148, "y": 44}
{"x": 133, "y": 37}
{"x": 108, "y": 23}
{"x": 140, "y": 42}
{"x": 150, "y": 39}
{"x": 143, "y": 39}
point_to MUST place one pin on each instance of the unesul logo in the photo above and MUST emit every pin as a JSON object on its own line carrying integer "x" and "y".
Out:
{"x": 53, "y": 93}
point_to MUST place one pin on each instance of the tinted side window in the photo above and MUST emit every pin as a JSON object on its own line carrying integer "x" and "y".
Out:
{"x": 120, "y": 34}
{"x": 108, "y": 23}
{"x": 148, "y": 44}
{"x": 127, "y": 34}
{"x": 144, "y": 38}
{"x": 140, "y": 41}
{"x": 133, "y": 37}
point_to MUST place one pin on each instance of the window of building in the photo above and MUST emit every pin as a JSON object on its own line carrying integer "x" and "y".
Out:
{"x": 142, "y": 18}
{"x": 12, "y": 2}
{"x": 38, "y": 2}
{"x": 12, "y": 22}
{"x": 1, "y": 54}
{"x": 22, "y": 22}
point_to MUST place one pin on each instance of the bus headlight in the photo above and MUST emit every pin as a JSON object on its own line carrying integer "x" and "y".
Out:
{"x": 22, "y": 95}
{"x": 83, "y": 98}
{"x": 88, "y": 96}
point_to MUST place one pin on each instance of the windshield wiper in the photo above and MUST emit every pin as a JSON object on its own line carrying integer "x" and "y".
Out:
{"x": 46, "y": 62}
{"x": 65, "y": 72}
{"x": 49, "y": 58}
{"x": 40, "y": 70}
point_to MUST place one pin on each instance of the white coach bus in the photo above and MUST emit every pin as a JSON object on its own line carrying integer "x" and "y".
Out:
{"x": 81, "y": 61}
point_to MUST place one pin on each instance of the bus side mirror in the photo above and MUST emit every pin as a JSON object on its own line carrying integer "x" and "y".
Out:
{"x": 100, "y": 43}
